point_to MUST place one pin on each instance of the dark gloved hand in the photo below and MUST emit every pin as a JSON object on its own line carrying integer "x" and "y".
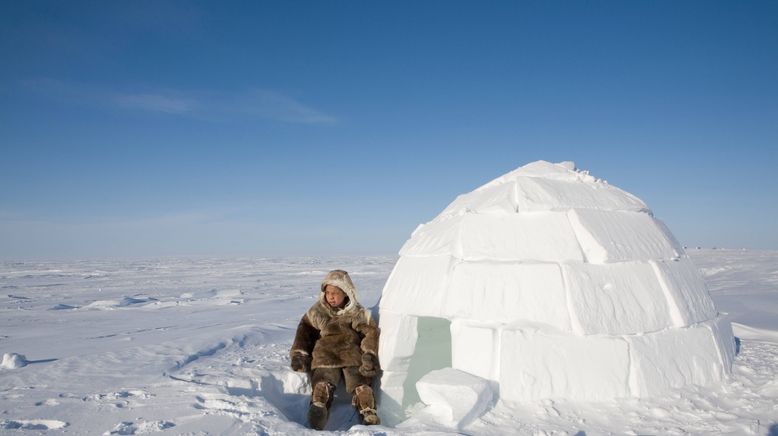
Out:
{"x": 369, "y": 367}
{"x": 301, "y": 362}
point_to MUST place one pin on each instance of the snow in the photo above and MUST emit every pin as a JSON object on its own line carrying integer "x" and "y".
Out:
{"x": 454, "y": 398}
{"x": 194, "y": 362}
{"x": 536, "y": 236}
{"x": 618, "y": 298}
{"x": 617, "y": 236}
{"x": 535, "y": 268}
{"x": 669, "y": 359}
{"x": 536, "y": 364}
{"x": 503, "y": 292}
{"x": 543, "y": 186}
{"x": 13, "y": 361}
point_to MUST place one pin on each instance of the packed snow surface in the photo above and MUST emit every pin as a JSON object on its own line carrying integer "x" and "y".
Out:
{"x": 205, "y": 351}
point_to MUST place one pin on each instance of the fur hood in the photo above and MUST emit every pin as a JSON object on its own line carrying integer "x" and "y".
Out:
{"x": 342, "y": 280}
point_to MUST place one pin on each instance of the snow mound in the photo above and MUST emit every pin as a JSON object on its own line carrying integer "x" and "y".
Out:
{"x": 62, "y": 306}
{"x": 32, "y": 424}
{"x": 140, "y": 427}
{"x": 119, "y": 303}
{"x": 552, "y": 284}
{"x": 14, "y": 361}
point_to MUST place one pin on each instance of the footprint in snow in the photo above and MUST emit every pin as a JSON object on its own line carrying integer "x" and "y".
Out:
{"x": 31, "y": 424}
{"x": 48, "y": 402}
{"x": 132, "y": 393}
{"x": 139, "y": 427}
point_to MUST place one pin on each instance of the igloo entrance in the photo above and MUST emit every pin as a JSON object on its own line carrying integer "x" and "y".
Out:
{"x": 418, "y": 345}
{"x": 433, "y": 345}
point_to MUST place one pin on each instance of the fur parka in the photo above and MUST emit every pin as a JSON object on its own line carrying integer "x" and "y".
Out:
{"x": 336, "y": 338}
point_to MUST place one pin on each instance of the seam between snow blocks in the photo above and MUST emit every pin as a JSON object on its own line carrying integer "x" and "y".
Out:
{"x": 575, "y": 323}
{"x": 632, "y": 382}
{"x": 726, "y": 370}
{"x": 670, "y": 297}
{"x": 577, "y": 228}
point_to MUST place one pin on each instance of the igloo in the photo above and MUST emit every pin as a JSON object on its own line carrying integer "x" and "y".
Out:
{"x": 550, "y": 283}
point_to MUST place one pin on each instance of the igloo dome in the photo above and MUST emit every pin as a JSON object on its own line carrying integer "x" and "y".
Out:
{"x": 551, "y": 284}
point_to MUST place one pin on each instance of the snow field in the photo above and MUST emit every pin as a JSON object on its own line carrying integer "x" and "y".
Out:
{"x": 204, "y": 351}
{"x": 195, "y": 359}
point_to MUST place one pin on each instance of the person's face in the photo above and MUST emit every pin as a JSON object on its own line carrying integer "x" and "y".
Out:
{"x": 334, "y": 295}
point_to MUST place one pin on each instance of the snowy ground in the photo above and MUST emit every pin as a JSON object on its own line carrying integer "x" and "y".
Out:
{"x": 199, "y": 346}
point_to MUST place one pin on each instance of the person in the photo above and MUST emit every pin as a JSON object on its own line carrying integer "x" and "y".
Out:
{"x": 338, "y": 338}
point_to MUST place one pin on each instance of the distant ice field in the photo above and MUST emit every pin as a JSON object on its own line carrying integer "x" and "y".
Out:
{"x": 200, "y": 346}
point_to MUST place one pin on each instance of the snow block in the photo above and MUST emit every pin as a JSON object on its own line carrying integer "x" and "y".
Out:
{"x": 557, "y": 171}
{"x": 539, "y": 193}
{"x": 536, "y": 365}
{"x": 548, "y": 186}
{"x": 417, "y": 285}
{"x": 674, "y": 358}
{"x": 497, "y": 199}
{"x": 619, "y": 298}
{"x": 529, "y": 191}
{"x": 390, "y": 396}
{"x": 683, "y": 283}
{"x": 539, "y": 236}
{"x": 721, "y": 328}
{"x": 436, "y": 238}
{"x": 616, "y": 236}
{"x": 475, "y": 349}
{"x": 455, "y": 398}
{"x": 508, "y": 292}
{"x": 397, "y": 340}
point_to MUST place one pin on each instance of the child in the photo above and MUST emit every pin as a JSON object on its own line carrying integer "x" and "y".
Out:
{"x": 337, "y": 336}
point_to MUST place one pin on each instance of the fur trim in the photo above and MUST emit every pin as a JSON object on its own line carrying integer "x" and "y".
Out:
{"x": 341, "y": 279}
{"x": 306, "y": 336}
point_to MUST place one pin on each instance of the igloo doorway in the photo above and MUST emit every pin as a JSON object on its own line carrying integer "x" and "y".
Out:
{"x": 412, "y": 346}
{"x": 433, "y": 351}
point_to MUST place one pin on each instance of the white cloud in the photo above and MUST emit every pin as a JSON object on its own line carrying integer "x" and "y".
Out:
{"x": 156, "y": 103}
{"x": 276, "y": 106}
{"x": 252, "y": 103}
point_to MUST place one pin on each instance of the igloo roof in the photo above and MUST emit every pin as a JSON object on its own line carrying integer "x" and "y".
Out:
{"x": 541, "y": 186}
{"x": 549, "y": 245}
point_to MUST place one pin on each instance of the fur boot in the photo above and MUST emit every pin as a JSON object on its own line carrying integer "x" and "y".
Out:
{"x": 321, "y": 400}
{"x": 364, "y": 401}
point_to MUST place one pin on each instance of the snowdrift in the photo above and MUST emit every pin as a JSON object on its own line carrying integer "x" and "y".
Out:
{"x": 548, "y": 283}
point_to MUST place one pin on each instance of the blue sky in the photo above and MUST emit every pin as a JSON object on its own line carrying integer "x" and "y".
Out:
{"x": 154, "y": 128}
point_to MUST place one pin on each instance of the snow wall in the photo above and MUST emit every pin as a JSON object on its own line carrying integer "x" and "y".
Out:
{"x": 551, "y": 284}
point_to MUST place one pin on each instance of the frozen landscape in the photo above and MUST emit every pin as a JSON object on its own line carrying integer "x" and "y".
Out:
{"x": 199, "y": 346}
{"x": 179, "y": 176}
{"x": 543, "y": 302}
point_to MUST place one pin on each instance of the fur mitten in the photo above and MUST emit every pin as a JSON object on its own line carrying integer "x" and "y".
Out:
{"x": 369, "y": 367}
{"x": 301, "y": 362}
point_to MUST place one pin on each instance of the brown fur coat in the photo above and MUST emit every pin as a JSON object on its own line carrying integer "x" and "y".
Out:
{"x": 336, "y": 338}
